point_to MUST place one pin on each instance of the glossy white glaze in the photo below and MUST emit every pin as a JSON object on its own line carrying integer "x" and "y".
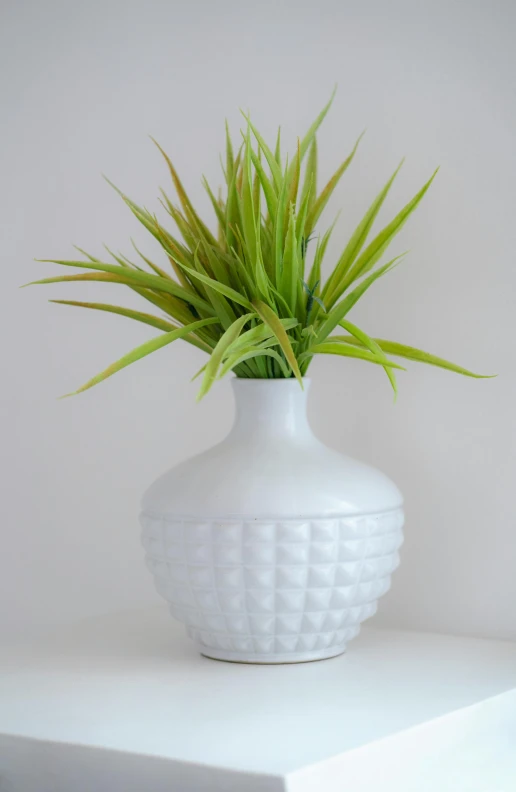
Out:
{"x": 271, "y": 465}
{"x": 270, "y": 547}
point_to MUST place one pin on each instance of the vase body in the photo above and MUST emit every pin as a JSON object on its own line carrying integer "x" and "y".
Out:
{"x": 271, "y": 547}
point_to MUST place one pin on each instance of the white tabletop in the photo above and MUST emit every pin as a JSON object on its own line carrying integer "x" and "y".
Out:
{"x": 133, "y": 683}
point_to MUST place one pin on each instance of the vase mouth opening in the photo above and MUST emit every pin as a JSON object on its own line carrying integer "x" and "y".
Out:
{"x": 270, "y": 383}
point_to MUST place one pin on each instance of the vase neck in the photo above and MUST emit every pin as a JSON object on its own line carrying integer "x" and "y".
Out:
{"x": 269, "y": 409}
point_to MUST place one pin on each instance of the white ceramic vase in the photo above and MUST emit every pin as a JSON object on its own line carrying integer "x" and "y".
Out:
{"x": 271, "y": 547}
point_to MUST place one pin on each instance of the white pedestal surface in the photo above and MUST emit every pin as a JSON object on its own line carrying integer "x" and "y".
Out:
{"x": 123, "y": 703}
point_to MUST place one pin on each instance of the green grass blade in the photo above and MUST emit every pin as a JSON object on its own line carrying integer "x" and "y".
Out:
{"x": 376, "y": 248}
{"x": 277, "y": 150}
{"x": 244, "y": 275}
{"x": 262, "y": 280}
{"x": 290, "y": 272}
{"x": 322, "y": 243}
{"x": 85, "y": 253}
{"x": 294, "y": 181}
{"x": 257, "y": 192}
{"x": 320, "y": 203}
{"x": 227, "y": 291}
{"x": 230, "y": 159}
{"x": 142, "y": 351}
{"x": 269, "y": 318}
{"x": 279, "y": 234}
{"x": 233, "y": 217}
{"x": 142, "y": 215}
{"x": 138, "y": 316}
{"x": 137, "y": 278}
{"x": 338, "y": 283}
{"x": 269, "y": 156}
{"x": 182, "y": 255}
{"x": 156, "y": 269}
{"x": 212, "y": 366}
{"x": 221, "y": 306}
{"x": 373, "y": 347}
{"x": 258, "y": 335}
{"x": 179, "y": 310}
{"x": 101, "y": 277}
{"x": 248, "y": 217}
{"x": 214, "y": 260}
{"x": 151, "y": 224}
{"x": 190, "y": 236}
{"x": 234, "y": 360}
{"x": 340, "y": 310}
{"x": 183, "y": 197}
{"x": 310, "y": 181}
{"x": 346, "y": 350}
{"x": 267, "y": 186}
{"x": 306, "y": 141}
{"x": 301, "y": 233}
{"x": 221, "y": 217}
{"x": 418, "y": 355}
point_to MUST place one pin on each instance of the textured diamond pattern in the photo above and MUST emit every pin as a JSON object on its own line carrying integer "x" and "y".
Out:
{"x": 264, "y": 588}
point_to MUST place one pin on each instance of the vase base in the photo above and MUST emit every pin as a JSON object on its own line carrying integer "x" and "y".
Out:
{"x": 272, "y": 659}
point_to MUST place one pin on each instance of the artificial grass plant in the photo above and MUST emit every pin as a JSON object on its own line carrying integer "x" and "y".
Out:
{"x": 247, "y": 294}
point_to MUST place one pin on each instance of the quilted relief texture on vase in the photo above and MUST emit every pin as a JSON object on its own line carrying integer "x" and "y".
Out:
{"x": 273, "y": 591}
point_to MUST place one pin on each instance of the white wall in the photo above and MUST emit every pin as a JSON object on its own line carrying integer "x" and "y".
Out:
{"x": 82, "y": 85}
